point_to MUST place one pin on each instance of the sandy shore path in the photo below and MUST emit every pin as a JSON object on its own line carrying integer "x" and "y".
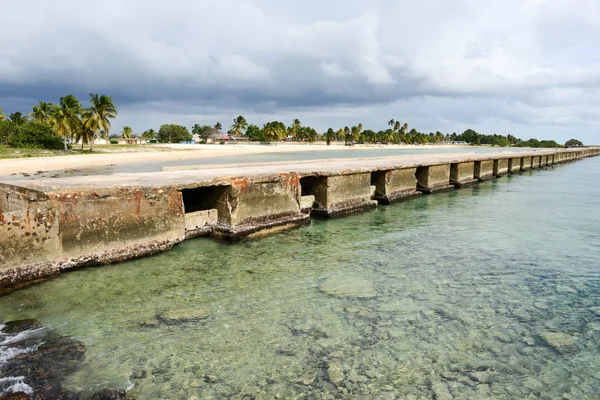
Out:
{"x": 175, "y": 152}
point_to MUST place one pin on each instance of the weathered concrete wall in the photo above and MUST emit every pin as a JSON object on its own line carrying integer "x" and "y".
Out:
{"x": 536, "y": 162}
{"x": 200, "y": 223}
{"x": 14, "y": 198}
{"x": 81, "y": 228}
{"x": 514, "y": 165}
{"x": 98, "y": 226}
{"x": 543, "y": 161}
{"x": 306, "y": 203}
{"x": 394, "y": 185}
{"x": 462, "y": 174}
{"x": 28, "y": 237}
{"x": 342, "y": 194}
{"x": 433, "y": 178}
{"x": 500, "y": 167}
{"x": 255, "y": 207}
{"x": 484, "y": 169}
{"x": 525, "y": 163}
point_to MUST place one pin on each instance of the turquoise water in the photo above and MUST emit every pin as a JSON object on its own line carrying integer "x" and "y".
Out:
{"x": 489, "y": 292}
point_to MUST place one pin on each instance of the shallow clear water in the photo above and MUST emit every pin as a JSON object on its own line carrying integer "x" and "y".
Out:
{"x": 490, "y": 292}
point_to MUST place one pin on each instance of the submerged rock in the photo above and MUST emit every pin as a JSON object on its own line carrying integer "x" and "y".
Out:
{"x": 111, "y": 394}
{"x": 559, "y": 341}
{"x": 440, "y": 390}
{"x": 185, "y": 315}
{"x": 348, "y": 286}
{"x": 335, "y": 372}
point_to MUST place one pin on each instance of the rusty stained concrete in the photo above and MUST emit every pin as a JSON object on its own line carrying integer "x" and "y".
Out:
{"x": 257, "y": 207}
{"x": 393, "y": 185}
{"x": 51, "y": 225}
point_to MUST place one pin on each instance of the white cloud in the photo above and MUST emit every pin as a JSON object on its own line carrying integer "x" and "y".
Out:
{"x": 525, "y": 67}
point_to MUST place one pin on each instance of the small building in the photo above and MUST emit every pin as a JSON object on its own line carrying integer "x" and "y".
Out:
{"x": 131, "y": 140}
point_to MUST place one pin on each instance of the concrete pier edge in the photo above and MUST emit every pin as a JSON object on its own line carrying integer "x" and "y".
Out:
{"x": 48, "y": 226}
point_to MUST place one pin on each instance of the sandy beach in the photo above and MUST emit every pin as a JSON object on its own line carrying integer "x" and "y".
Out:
{"x": 174, "y": 152}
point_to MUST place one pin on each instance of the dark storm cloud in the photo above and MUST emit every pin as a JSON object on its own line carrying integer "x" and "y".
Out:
{"x": 523, "y": 67}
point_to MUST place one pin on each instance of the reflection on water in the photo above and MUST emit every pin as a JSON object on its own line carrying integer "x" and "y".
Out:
{"x": 489, "y": 292}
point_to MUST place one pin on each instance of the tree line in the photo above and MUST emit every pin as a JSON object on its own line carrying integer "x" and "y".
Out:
{"x": 71, "y": 121}
{"x": 53, "y": 125}
{"x": 397, "y": 133}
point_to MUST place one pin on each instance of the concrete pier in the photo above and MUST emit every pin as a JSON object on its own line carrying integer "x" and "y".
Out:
{"x": 514, "y": 165}
{"x": 501, "y": 167}
{"x": 51, "y": 225}
{"x": 484, "y": 170}
{"x": 339, "y": 194}
{"x": 432, "y": 178}
{"x": 394, "y": 185}
{"x": 462, "y": 174}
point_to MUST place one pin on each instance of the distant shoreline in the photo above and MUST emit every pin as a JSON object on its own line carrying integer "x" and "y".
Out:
{"x": 124, "y": 155}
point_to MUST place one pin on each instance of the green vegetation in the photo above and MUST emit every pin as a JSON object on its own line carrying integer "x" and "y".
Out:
{"x": 126, "y": 132}
{"x": 34, "y": 135}
{"x": 71, "y": 121}
{"x": 573, "y": 142}
{"x": 171, "y": 133}
{"x": 47, "y": 123}
{"x": 239, "y": 126}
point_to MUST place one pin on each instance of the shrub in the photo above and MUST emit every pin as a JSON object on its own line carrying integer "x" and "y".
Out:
{"x": 33, "y": 135}
{"x": 202, "y": 141}
{"x": 222, "y": 142}
{"x": 114, "y": 142}
{"x": 6, "y": 129}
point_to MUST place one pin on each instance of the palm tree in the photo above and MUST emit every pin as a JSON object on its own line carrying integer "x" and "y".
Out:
{"x": 18, "y": 118}
{"x": 101, "y": 111}
{"x": 391, "y": 122}
{"x": 196, "y": 129}
{"x": 239, "y": 126}
{"x": 87, "y": 131}
{"x": 149, "y": 134}
{"x": 218, "y": 126}
{"x": 273, "y": 130}
{"x": 295, "y": 128}
{"x": 42, "y": 113}
{"x": 2, "y": 116}
{"x": 397, "y": 126}
{"x": 339, "y": 134}
{"x": 65, "y": 117}
{"x": 126, "y": 133}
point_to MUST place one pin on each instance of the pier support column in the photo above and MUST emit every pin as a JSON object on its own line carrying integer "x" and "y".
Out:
{"x": 394, "y": 185}
{"x": 258, "y": 207}
{"x": 543, "y": 161}
{"x": 433, "y": 178}
{"x": 462, "y": 174}
{"x": 338, "y": 195}
{"x": 536, "y": 162}
{"x": 484, "y": 170}
{"x": 514, "y": 165}
{"x": 500, "y": 167}
{"x": 525, "y": 163}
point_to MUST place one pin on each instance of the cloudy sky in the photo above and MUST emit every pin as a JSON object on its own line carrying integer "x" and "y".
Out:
{"x": 526, "y": 67}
